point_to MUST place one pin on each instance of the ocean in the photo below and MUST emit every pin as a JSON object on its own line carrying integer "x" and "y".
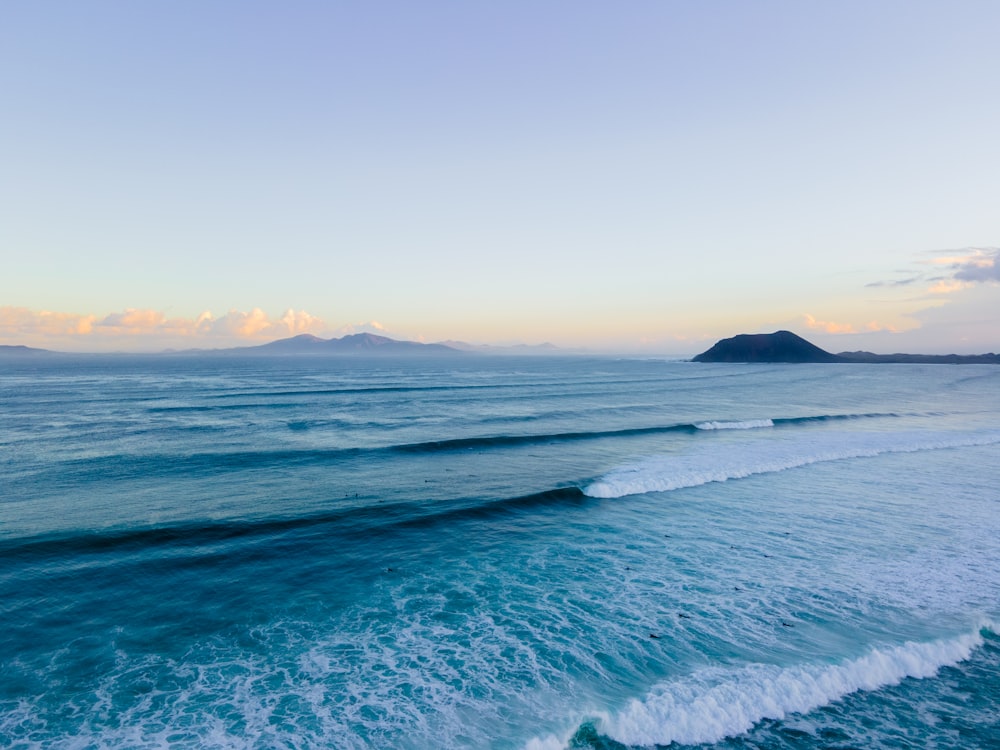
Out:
{"x": 497, "y": 552}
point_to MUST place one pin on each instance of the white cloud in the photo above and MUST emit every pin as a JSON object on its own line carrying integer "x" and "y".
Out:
{"x": 974, "y": 265}
{"x": 834, "y": 328}
{"x": 962, "y": 269}
{"x": 372, "y": 326}
{"x": 20, "y": 321}
{"x": 947, "y": 286}
{"x": 981, "y": 266}
{"x": 300, "y": 321}
{"x": 149, "y": 329}
{"x": 134, "y": 320}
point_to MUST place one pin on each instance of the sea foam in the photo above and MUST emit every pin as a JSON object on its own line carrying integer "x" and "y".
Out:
{"x": 702, "y": 464}
{"x": 712, "y": 704}
{"x": 717, "y": 703}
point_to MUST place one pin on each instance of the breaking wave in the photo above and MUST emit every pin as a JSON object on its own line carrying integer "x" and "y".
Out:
{"x": 712, "y": 704}
{"x": 717, "y": 704}
{"x": 702, "y": 465}
{"x": 747, "y": 425}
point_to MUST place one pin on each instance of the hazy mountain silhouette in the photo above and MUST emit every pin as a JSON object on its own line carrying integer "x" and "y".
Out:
{"x": 356, "y": 343}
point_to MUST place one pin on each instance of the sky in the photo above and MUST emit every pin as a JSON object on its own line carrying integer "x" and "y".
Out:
{"x": 638, "y": 176}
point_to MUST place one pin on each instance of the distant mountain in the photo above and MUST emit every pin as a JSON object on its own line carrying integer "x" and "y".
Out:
{"x": 363, "y": 344}
{"x": 498, "y": 349}
{"x": 357, "y": 343}
{"x": 20, "y": 351}
{"x": 780, "y": 346}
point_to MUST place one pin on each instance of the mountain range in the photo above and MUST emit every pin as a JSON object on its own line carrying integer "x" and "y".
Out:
{"x": 780, "y": 346}
{"x": 357, "y": 344}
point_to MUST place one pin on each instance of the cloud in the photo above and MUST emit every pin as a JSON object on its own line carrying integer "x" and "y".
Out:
{"x": 300, "y": 322}
{"x": 150, "y": 329}
{"x": 950, "y": 304}
{"x": 964, "y": 268}
{"x": 372, "y": 326}
{"x": 256, "y": 324}
{"x": 983, "y": 265}
{"x": 948, "y": 286}
{"x": 827, "y": 326}
{"x": 844, "y": 328}
{"x": 974, "y": 265}
{"x": 20, "y": 321}
{"x": 136, "y": 320}
{"x": 898, "y": 282}
{"x": 236, "y": 323}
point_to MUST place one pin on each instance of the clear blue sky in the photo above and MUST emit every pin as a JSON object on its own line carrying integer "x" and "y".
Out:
{"x": 639, "y": 176}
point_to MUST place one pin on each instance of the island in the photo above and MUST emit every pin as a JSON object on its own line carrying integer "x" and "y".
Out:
{"x": 780, "y": 346}
{"x": 785, "y": 346}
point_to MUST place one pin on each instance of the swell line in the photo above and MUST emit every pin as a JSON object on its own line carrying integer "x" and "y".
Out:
{"x": 123, "y": 466}
{"x": 837, "y": 417}
{"x": 355, "y": 520}
{"x": 490, "y": 441}
{"x": 354, "y": 390}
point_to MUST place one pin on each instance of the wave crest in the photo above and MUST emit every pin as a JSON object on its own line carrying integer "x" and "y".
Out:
{"x": 715, "y": 704}
{"x": 749, "y": 424}
{"x": 705, "y": 464}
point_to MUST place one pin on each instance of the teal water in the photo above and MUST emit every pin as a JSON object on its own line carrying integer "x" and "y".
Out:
{"x": 497, "y": 553}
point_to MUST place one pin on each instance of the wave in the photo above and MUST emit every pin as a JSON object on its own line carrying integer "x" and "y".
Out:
{"x": 716, "y": 703}
{"x": 489, "y": 441}
{"x": 349, "y": 521}
{"x": 702, "y": 465}
{"x": 255, "y": 394}
{"x": 492, "y": 441}
{"x": 117, "y": 465}
{"x": 748, "y": 425}
{"x": 751, "y": 424}
{"x": 124, "y": 466}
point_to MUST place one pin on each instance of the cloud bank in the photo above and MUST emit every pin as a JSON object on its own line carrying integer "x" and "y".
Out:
{"x": 946, "y": 303}
{"x": 827, "y": 326}
{"x": 147, "y": 329}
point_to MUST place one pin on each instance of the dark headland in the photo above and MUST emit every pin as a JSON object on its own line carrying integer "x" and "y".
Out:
{"x": 785, "y": 346}
{"x": 780, "y": 346}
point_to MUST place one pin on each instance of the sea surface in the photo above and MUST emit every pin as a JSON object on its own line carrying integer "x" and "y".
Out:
{"x": 497, "y": 552}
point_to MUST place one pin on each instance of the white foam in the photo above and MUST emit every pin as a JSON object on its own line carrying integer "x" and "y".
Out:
{"x": 716, "y": 703}
{"x": 549, "y": 742}
{"x": 702, "y": 464}
{"x": 750, "y": 424}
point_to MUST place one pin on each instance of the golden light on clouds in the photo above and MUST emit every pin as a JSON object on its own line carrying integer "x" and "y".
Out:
{"x": 44, "y": 328}
{"x": 21, "y": 320}
{"x": 826, "y": 326}
{"x": 948, "y": 286}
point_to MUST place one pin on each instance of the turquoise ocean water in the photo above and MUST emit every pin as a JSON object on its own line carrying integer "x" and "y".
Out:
{"x": 494, "y": 552}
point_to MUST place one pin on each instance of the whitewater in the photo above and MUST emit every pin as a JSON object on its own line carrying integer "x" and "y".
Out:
{"x": 497, "y": 552}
